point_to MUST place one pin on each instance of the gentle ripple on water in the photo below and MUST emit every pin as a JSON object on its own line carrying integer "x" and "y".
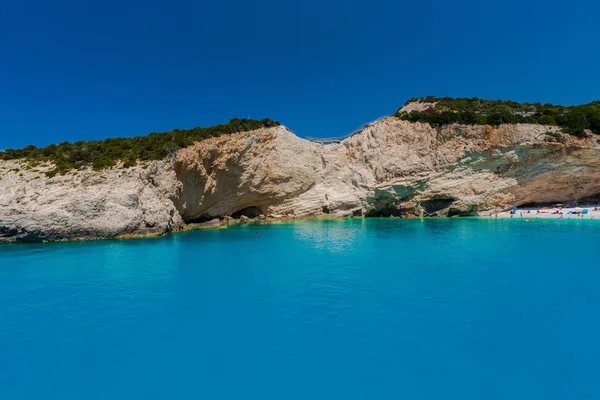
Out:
{"x": 350, "y": 309}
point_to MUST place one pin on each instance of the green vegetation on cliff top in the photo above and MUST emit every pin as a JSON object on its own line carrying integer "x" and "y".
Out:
{"x": 574, "y": 120}
{"x": 102, "y": 154}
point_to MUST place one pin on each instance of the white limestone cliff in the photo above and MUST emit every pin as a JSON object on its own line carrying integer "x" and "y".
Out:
{"x": 390, "y": 167}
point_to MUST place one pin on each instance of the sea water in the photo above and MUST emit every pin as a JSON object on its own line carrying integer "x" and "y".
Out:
{"x": 340, "y": 309}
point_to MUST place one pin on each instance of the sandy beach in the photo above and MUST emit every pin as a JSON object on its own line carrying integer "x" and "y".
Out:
{"x": 550, "y": 213}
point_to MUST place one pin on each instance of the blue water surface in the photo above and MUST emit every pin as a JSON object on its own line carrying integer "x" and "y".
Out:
{"x": 341, "y": 309}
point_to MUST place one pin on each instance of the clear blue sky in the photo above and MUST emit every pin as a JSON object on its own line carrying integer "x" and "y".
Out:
{"x": 72, "y": 70}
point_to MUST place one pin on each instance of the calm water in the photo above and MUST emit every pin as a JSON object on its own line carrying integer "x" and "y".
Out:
{"x": 374, "y": 309}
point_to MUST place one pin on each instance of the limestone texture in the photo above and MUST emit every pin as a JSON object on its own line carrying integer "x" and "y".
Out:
{"x": 390, "y": 167}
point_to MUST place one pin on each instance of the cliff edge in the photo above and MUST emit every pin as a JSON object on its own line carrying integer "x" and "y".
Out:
{"x": 391, "y": 167}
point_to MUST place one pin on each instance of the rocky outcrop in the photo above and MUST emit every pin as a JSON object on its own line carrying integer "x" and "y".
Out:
{"x": 391, "y": 167}
{"x": 86, "y": 204}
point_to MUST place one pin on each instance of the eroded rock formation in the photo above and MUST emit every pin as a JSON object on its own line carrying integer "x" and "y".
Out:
{"x": 391, "y": 167}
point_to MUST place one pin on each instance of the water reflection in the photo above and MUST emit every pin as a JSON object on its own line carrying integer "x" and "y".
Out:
{"x": 330, "y": 235}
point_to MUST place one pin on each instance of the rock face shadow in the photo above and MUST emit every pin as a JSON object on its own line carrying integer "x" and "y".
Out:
{"x": 250, "y": 212}
{"x": 437, "y": 203}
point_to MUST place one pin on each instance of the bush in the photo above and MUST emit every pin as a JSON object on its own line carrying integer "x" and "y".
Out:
{"x": 103, "y": 154}
{"x": 576, "y": 123}
{"x": 547, "y": 120}
{"x": 574, "y": 120}
{"x": 555, "y": 137}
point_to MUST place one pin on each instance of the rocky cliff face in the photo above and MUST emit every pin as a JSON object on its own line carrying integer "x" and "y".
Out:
{"x": 390, "y": 167}
{"x": 86, "y": 204}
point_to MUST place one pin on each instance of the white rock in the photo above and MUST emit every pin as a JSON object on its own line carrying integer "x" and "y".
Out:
{"x": 390, "y": 166}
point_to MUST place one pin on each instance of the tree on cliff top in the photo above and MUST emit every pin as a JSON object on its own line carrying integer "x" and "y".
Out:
{"x": 102, "y": 154}
{"x": 574, "y": 120}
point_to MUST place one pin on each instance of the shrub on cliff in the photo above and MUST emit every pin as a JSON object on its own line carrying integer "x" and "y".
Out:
{"x": 547, "y": 120}
{"x": 555, "y": 137}
{"x": 102, "y": 154}
{"x": 574, "y": 120}
{"x": 575, "y": 123}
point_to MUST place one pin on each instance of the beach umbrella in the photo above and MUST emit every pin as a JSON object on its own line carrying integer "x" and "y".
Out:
{"x": 514, "y": 209}
{"x": 585, "y": 211}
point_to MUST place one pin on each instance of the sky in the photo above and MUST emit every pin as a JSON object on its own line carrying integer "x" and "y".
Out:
{"x": 81, "y": 70}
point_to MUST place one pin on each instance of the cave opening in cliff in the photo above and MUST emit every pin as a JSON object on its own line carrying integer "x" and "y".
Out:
{"x": 201, "y": 219}
{"x": 383, "y": 212}
{"x": 250, "y": 212}
{"x": 437, "y": 203}
{"x": 589, "y": 201}
{"x": 550, "y": 204}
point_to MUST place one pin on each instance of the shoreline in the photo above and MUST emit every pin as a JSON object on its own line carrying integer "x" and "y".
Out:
{"x": 576, "y": 213}
{"x": 187, "y": 228}
{"x": 505, "y": 215}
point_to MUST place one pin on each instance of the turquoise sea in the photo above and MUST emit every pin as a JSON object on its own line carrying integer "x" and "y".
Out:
{"x": 340, "y": 309}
